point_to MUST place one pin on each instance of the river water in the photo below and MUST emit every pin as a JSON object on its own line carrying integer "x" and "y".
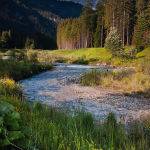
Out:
{"x": 59, "y": 88}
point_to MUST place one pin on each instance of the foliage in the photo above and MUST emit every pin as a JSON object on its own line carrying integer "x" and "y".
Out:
{"x": 91, "y": 28}
{"x": 32, "y": 56}
{"x": 5, "y": 38}
{"x": 114, "y": 43}
{"x": 20, "y": 69}
{"x": 142, "y": 28}
{"x": 128, "y": 81}
{"x": 9, "y": 87}
{"x": 9, "y": 125}
{"x": 29, "y": 44}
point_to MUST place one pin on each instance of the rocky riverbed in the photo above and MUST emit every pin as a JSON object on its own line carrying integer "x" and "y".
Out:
{"x": 60, "y": 88}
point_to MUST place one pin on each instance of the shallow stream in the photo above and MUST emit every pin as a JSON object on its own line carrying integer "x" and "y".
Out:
{"x": 59, "y": 88}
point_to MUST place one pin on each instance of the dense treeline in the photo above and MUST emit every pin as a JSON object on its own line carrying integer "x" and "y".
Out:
{"x": 34, "y": 19}
{"x": 12, "y": 39}
{"x": 131, "y": 18}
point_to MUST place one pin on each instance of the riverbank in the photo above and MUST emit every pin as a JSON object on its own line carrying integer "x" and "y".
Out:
{"x": 19, "y": 70}
{"x": 99, "y": 56}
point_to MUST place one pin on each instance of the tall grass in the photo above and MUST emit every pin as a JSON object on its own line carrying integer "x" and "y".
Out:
{"x": 81, "y": 56}
{"x": 20, "y": 69}
{"x": 49, "y": 129}
{"x": 127, "y": 81}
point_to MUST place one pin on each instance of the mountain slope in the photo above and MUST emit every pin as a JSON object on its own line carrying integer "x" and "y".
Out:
{"x": 35, "y": 18}
{"x": 81, "y": 1}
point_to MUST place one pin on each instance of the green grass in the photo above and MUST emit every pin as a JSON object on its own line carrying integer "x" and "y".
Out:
{"x": 85, "y": 56}
{"x": 91, "y": 56}
{"x": 20, "y": 69}
{"x": 144, "y": 53}
{"x": 71, "y": 56}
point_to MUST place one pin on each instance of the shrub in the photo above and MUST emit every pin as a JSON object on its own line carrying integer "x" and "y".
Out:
{"x": 22, "y": 69}
{"x": 29, "y": 44}
{"x": 92, "y": 78}
{"x": 114, "y": 43}
{"x": 9, "y": 87}
{"x": 80, "y": 61}
{"x": 9, "y": 125}
{"x": 5, "y": 38}
{"x": 145, "y": 66}
{"x": 32, "y": 56}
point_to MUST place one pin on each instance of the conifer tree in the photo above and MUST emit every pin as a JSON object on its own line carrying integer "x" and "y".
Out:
{"x": 29, "y": 44}
{"x": 5, "y": 39}
{"x": 142, "y": 28}
{"x": 113, "y": 42}
{"x": 88, "y": 25}
{"x": 99, "y": 33}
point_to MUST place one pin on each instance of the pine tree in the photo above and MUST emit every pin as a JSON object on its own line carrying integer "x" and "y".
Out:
{"x": 29, "y": 44}
{"x": 113, "y": 43}
{"x": 119, "y": 14}
{"x": 88, "y": 25}
{"x": 5, "y": 39}
{"x": 142, "y": 29}
{"x": 99, "y": 33}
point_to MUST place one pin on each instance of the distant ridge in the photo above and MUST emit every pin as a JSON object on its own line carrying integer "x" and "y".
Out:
{"x": 35, "y": 17}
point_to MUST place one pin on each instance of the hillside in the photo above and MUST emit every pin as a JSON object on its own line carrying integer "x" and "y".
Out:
{"x": 35, "y": 18}
{"x": 81, "y": 1}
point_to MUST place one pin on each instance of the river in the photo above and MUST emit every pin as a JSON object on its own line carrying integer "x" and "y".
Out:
{"x": 59, "y": 88}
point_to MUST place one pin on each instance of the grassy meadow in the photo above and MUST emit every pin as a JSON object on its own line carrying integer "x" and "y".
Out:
{"x": 93, "y": 56}
{"x": 81, "y": 56}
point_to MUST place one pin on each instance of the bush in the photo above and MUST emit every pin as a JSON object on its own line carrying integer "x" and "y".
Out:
{"x": 145, "y": 66}
{"x": 20, "y": 70}
{"x": 9, "y": 87}
{"x": 9, "y": 125}
{"x": 114, "y": 43}
{"x": 29, "y": 44}
{"x": 91, "y": 78}
{"x": 80, "y": 61}
{"x": 32, "y": 56}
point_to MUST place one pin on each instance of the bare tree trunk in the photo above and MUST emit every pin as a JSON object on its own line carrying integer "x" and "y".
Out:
{"x": 123, "y": 31}
{"x": 113, "y": 19}
{"x": 128, "y": 36}
{"x": 102, "y": 28}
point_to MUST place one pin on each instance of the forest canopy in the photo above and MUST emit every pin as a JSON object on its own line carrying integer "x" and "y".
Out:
{"x": 131, "y": 18}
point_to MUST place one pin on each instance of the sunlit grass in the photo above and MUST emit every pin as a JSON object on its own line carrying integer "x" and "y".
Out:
{"x": 71, "y": 56}
{"x": 93, "y": 56}
{"x": 144, "y": 53}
